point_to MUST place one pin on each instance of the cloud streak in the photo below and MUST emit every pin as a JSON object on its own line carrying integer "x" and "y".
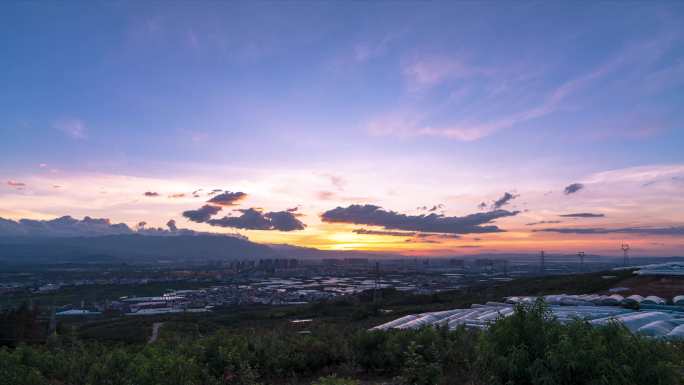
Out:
{"x": 676, "y": 230}
{"x": 432, "y": 71}
{"x": 542, "y": 223}
{"x": 384, "y": 232}
{"x": 582, "y": 215}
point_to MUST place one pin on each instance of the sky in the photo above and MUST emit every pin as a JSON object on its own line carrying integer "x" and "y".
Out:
{"x": 418, "y": 128}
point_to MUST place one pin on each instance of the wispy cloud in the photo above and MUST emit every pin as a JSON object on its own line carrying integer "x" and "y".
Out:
{"x": 429, "y": 71}
{"x": 675, "y": 230}
{"x": 337, "y": 181}
{"x": 639, "y": 175}
{"x": 424, "y": 73}
{"x": 369, "y": 49}
{"x": 325, "y": 195}
{"x": 74, "y": 128}
{"x": 542, "y": 223}
{"x": 16, "y": 184}
{"x": 477, "y": 128}
{"x": 411, "y": 123}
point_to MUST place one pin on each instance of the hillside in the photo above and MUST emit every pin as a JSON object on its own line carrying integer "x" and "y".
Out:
{"x": 129, "y": 248}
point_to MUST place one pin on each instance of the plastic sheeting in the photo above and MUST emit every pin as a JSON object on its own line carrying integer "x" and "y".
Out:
{"x": 565, "y": 308}
{"x": 635, "y": 320}
{"x": 671, "y": 268}
{"x": 676, "y": 333}
{"x": 653, "y": 300}
{"x": 678, "y": 300}
{"x": 633, "y": 300}
{"x": 657, "y": 328}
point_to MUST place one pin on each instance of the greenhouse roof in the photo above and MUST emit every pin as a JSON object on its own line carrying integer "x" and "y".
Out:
{"x": 665, "y": 324}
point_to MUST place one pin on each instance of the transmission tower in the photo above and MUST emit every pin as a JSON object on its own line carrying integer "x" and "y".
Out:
{"x": 625, "y": 253}
{"x": 581, "y": 257}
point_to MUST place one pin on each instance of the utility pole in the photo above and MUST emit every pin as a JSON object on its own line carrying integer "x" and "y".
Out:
{"x": 625, "y": 254}
{"x": 377, "y": 282}
{"x": 581, "y": 257}
{"x": 541, "y": 262}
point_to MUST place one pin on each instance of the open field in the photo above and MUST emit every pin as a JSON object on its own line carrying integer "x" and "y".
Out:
{"x": 357, "y": 312}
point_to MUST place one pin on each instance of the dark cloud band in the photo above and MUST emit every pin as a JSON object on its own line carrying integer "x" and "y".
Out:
{"x": 582, "y": 215}
{"x": 253, "y": 219}
{"x": 372, "y": 215}
{"x": 542, "y": 223}
{"x": 507, "y": 197}
{"x": 227, "y": 198}
{"x": 202, "y": 214}
{"x": 573, "y": 188}
{"x": 384, "y": 232}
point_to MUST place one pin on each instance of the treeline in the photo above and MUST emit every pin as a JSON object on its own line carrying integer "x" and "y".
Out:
{"x": 22, "y": 325}
{"x": 529, "y": 347}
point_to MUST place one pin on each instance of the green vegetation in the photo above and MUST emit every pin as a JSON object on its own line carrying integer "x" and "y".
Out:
{"x": 526, "y": 348}
{"x": 531, "y": 348}
{"x": 259, "y": 345}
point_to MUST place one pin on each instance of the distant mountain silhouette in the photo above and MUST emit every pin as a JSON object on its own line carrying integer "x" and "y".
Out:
{"x": 130, "y": 248}
{"x": 292, "y": 251}
{"x": 138, "y": 248}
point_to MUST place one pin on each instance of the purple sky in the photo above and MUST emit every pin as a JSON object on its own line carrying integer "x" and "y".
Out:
{"x": 316, "y": 105}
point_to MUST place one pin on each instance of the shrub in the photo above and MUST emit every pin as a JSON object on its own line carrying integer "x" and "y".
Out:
{"x": 530, "y": 347}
